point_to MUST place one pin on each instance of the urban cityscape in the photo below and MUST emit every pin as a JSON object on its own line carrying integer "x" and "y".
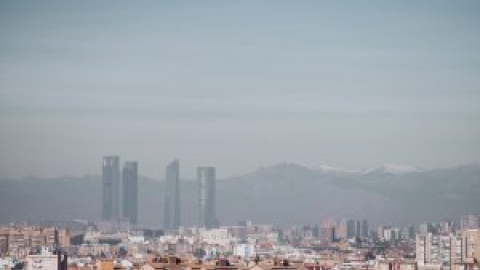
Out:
{"x": 119, "y": 242}
{"x": 240, "y": 135}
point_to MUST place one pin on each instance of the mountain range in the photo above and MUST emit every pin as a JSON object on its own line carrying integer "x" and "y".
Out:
{"x": 281, "y": 194}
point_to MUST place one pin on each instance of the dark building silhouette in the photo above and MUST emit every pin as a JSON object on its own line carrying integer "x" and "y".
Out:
{"x": 130, "y": 191}
{"x": 206, "y": 197}
{"x": 111, "y": 188}
{"x": 172, "y": 196}
{"x": 62, "y": 263}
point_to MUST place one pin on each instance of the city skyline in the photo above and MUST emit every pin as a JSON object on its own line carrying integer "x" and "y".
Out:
{"x": 205, "y": 189}
{"x": 120, "y": 194}
{"x": 441, "y": 245}
{"x": 240, "y": 135}
{"x": 377, "y": 194}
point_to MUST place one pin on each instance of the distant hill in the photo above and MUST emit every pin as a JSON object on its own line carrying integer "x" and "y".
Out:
{"x": 280, "y": 194}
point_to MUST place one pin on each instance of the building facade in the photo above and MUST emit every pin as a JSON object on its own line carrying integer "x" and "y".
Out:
{"x": 471, "y": 248}
{"x": 172, "y": 196}
{"x": 469, "y": 222}
{"x": 15, "y": 241}
{"x": 437, "y": 250}
{"x": 42, "y": 262}
{"x": 111, "y": 188}
{"x": 206, "y": 197}
{"x": 130, "y": 191}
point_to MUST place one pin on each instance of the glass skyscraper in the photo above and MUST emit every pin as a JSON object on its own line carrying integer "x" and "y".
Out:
{"x": 111, "y": 188}
{"x": 206, "y": 197}
{"x": 172, "y": 196}
{"x": 130, "y": 191}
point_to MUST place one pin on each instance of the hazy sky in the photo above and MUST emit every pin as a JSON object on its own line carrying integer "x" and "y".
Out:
{"x": 237, "y": 84}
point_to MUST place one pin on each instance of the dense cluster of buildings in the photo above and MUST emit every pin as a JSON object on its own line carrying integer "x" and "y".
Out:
{"x": 17, "y": 240}
{"x": 339, "y": 245}
{"x": 114, "y": 244}
{"x": 448, "y": 249}
{"x": 120, "y": 194}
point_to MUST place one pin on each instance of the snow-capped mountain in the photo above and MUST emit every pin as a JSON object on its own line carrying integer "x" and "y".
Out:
{"x": 394, "y": 169}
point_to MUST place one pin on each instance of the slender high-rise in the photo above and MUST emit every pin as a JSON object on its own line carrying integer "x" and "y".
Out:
{"x": 172, "y": 196}
{"x": 206, "y": 197}
{"x": 130, "y": 191}
{"x": 111, "y": 188}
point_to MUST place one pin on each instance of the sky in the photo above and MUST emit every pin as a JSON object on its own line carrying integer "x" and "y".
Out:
{"x": 237, "y": 84}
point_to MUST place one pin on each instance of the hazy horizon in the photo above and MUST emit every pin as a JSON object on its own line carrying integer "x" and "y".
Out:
{"x": 237, "y": 85}
{"x": 188, "y": 173}
{"x": 309, "y": 197}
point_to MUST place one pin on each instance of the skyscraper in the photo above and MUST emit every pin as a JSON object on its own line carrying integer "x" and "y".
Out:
{"x": 130, "y": 191}
{"x": 364, "y": 228}
{"x": 206, "y": 197}
{"x": 111, "y": 188}
{"x": 172, "y": 196}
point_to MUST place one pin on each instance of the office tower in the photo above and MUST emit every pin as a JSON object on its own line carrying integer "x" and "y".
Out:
{"x": 364, "y": 228}
{"x": 206, "y": 197}
{"x": 111, "y": 188}
{"x": 358, "y": 228}
{"x": 347, "y": 229}
{"x": 380, "y": 232}
{"x": 341, "y": 230}
{"x": 130, "y": 191}
{"x": 172, "y": 196}
{"x": 327, "y": 235}
{"x": 351, "y": 228}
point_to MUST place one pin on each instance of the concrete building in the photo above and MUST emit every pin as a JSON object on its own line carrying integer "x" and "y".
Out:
{"x": 15, "y": 241}
{"x": 447, "y": 227}
{"x": 244, "y": 250}
{"x": 220, "y": 237}
{"x": 206, "y": 197}
{"x": 341, "y": 229}
{"x": 327, "y": 235}
{"x": 111, "y": 188}
{"x": 441, "y": 251}
{"x": 42, "y": 262}
{"x": 424, "y": 228}
{"x": 471, "y": 248}
{"x": 172, "y": 196}
{"x": 391, "y": 234}
{"x": 469, "y": 222}
{"x": 130, "y": 191}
